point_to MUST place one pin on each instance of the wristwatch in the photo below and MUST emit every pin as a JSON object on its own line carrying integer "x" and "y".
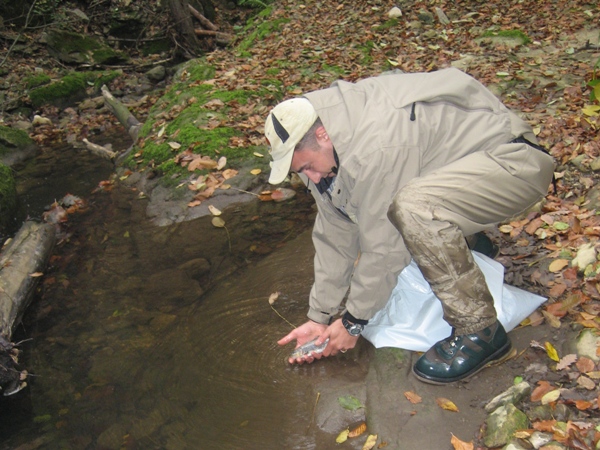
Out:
{"x": 353, "y": 329}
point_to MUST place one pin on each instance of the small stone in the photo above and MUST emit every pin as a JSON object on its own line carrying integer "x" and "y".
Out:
{"x": 395, "y": 12}
{"x": 425, "y": 16}
{"x": 595, "y": 165}
{"x": 502, "y": 425}
{"x": 587, "y": 344}
{"x": 156, "y": 74}
{"x": 539, "y": 439}
{"x": 514, "y": 395}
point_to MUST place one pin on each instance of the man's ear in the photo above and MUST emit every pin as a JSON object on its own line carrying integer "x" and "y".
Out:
{"x": 322, "y": 135}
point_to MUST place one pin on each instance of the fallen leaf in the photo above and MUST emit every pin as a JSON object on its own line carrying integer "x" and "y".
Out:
{"x": 545, "y": 425}
{"x": 350, "y": 403}
{"x": 214, "y": 210}
{"x": 586, "y": 383}
{"x": 585, "y": 364}
{"x": 273, "y": 297}
{"x": 566, "y": 361}
{"x": 259, "y": 155}
{"x": 551, "y": 351}
{"x": 360, "y": 429}
{"x": 255, "y": 171}
{"x": 370, "y": 442}
{"x": 174, "y": 145}
{"x": 218, "y": 222}
{"x": 446, "y": 404}
{"x": 558, "y": 264}
{"x": 461, "y": 445}
{"x": 551, "y": 319}
{"x": 542, "y": 389}
{"x": 222, "y": 162}
{"x": 36, "y": 274}
{"x": 412, "y": 397}
{"x": 551, "y": 396}
{"x": 582, "y": 405}
{"x": 342, "y": 437}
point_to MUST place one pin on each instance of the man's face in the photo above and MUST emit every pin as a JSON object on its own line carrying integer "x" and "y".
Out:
{"x": 315, "y": 163}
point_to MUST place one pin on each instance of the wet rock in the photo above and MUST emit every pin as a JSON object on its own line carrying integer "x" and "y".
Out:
{"x": 560, "y": 412}
{"x": 195, "y": 268}
{"x": 502, "y": 424}
{"x": 515, "y": 446}
{"x": 156, "y": 74}
{"x": 514, "y": 395}
{"x": 75, "y": 48}
{"x": 162, "y": 321}
{"x": 539, "y": 439}
{"x": 172, "y": 285}
{"x": 112, "y": 437}
{"x": 587, "y": 344}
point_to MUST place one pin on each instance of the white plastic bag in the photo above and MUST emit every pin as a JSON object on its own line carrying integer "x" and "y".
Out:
{"x": 412, "y": 318}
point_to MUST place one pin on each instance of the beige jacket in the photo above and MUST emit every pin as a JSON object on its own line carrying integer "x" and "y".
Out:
{"x": 387, "y": 130}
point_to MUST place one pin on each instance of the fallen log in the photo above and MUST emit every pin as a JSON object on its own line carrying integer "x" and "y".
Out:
{"x": 22, "y": 262}
{"x": 99, "y": 150}
{"x": 203, "y": 20}
{"x": 128, "y": 120}
{"x": 223, "y": 39}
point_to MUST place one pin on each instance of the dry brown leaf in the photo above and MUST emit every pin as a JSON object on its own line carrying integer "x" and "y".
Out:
{"x": 542, "y": 388}
{"x": 194, "y": 203}
{"x": 566, "y": 361}
{"x": 461, "y": 445}
{"x": 585, "y": 364}
{"x": 446, "y": 404}
{"x": 357, "y": 431}
{"x": 229, "y": 173}
{"x": 545, "y": 425}
{"x": 412, "y": 397}
{"x": 551, "y": 319}
{"x": 558, "y": 264}
{"x": 586, "y": 383}
{"x": 582, "y": 405}
{"x": 202, "y": 163}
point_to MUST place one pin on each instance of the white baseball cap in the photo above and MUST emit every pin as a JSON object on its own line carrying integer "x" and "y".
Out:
{"x": 285, "y": 126}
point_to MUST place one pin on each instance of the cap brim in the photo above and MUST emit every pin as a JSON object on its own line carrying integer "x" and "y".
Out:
{"x": 280, "y": 168}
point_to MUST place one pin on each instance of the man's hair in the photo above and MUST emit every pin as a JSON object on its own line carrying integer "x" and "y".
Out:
{"x": 309, "y": 140}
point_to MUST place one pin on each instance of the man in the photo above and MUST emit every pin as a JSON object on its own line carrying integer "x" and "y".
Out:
{"x": 406, "y": 166}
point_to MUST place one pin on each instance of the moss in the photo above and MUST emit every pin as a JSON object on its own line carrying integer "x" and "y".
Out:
{"x": 11, "y": 139}
{"x": 511, "y": 34}
{"x": 366, "y": 50}
{"x": 336, "y": 70}
{"x": 71, "y": 87}
{"x": 156, "y": 47}
{"x": 262, "y": 30}
{"x": 8, "y": 195}
{"x": 390, "y": 23}
{"x": 34, "y": 81}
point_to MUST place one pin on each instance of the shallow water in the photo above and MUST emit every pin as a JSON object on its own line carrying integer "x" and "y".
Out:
{"x": 163, "y": 337}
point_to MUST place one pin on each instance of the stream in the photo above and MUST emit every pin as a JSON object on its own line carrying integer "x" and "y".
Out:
{"x": 146, "y": 337}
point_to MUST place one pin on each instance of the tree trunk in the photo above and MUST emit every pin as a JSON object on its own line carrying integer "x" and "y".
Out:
{"x": 187, "y": 41}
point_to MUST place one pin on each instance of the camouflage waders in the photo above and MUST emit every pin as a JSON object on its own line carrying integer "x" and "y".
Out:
{"x": 435, "y": 212}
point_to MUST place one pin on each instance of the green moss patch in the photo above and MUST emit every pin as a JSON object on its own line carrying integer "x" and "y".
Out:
{"x": 71, "y": 88}
{"x": 11, "y": 139}
{"x": 8, "y": 195}
{"x": 516, "y": 35}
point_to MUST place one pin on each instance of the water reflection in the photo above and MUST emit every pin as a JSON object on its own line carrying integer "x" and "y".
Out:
{"x": 147, "y": 337}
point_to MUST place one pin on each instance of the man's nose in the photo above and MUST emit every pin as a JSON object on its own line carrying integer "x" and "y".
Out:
{"x": 315, "y": 177}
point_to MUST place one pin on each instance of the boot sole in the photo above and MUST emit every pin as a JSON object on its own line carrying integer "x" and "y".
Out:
{"x": 496, "y": 358}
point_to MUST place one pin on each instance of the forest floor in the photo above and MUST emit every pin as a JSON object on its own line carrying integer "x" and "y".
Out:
{"x": 538, "y": 61}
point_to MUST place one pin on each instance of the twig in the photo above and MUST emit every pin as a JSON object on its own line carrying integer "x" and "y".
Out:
{"x": 312, "y": 417}
{"x": 19, "y": 35}
{"x": 283, "y": 318}
{"x": 241, "y": 190}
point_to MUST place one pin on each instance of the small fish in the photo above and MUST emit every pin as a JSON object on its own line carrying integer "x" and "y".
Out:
{"x": 308, "y": 348}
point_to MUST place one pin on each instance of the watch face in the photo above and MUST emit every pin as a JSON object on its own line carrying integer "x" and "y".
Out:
{"x": 355, "y": 330}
